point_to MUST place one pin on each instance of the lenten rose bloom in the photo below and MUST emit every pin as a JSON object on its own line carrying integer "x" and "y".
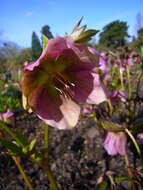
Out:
{"x": 87, "y": 109}
{"x": 117, "y": 95}
{"x": 103, "y": 63}
{"x": 115, "y": 143}
{"x": 63, "y": 75}
{"x": 7, "y": 116}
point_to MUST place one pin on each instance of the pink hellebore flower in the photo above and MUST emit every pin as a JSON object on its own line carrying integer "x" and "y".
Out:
{"x": 140, "y": 138}
{"x": 7, "y": 116}
{"x": 63, "y": 75}
{"x": 87, "y": 109}
{"x": 103, "y": 63}
{"x": 115, "y": 143}
{"x": 117, "y": 95}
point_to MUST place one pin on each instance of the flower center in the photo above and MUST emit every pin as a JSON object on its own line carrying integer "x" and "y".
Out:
{"x": 63, "y": 86}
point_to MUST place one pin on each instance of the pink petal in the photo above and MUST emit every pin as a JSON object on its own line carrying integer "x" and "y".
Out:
{"x": 97, "y": 94}
{"x": 85, "y": 54}
{"x": 121, "y": 143}
{"x": 88, "y": 88}
{"x": 7, "y": 115}
{"x": 55, "y": 47}
{"x": 109, "y": 143}
{"x": 60, "y": 113}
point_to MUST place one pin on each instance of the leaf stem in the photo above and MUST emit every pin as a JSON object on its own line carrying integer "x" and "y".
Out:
{"x": 22, "y": 173}
{"x": 5, "y": 128}
{"x": 121, "y": 78}
{"x": 130, "y": 174}
{"x": 135, "y": 143}
{"x": 129, "y": 81}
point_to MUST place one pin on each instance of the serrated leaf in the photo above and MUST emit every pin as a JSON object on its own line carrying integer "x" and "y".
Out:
{"x": 112, "y": 127}
{"x": 45, "y": 41}
{"x": 103, "y": 186}
{"x": 13, "y": 148}
{"x": 32, "y": 145}
{"x": 85, "y": 36}
{"x": 137, "y": 126}
{"x": 22, "y": 139}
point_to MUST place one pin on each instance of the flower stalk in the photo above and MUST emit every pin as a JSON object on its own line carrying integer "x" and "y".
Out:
{"x": 121, "y": 79}
{"x": 135, "y": 143}
{"x": 46, "y": 163}
{"x": 22, "y": 173}
{"x": 129, "y": 81}
{"x": 131, "y": 182}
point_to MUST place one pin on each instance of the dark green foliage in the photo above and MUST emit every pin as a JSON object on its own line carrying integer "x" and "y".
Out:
{"x": 139, "y": 40}
{"x": 36, "y": 46}
{"x": 114, "y": 34}
{"x": 46, "y": 31}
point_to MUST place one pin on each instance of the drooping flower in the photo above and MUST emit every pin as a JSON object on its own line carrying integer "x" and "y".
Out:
{"x": 87, "y": 109}
{"x": 63, "y": 75}
{"x": 7, "y": 116}
{"x": 115, "y": 143}
{"x": 140, "y": 138}
{"x": 117, "y": 95}
{"x": 103, "y": 63}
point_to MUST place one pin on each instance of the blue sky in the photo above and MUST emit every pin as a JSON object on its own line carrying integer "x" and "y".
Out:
{"x": 18, "y": 18}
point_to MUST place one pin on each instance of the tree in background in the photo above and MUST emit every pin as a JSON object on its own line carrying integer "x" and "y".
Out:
{"x": 138, "y": 42}
{"x": 114, "y": 34}
{"x": 46, "y": 31}
{"x": 9, "y": 52}
{"x": 36, "y": 46}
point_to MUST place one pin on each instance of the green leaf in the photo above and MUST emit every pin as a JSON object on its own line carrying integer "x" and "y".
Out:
{"x": 103, "y": 186}
{"x": 137, "y": 126}
{"x": 141, "y": 51}
{"x": 85, "y": 36}
{"x": 45, "y": 41}
{"x": 22, "y": 140}
{"x": 32, "y": 145}
{"x": 29, "y": 148}
{"x": 112, "y": 127}
{"x": 121, "y": 178}
{"x": 13, "y": 148}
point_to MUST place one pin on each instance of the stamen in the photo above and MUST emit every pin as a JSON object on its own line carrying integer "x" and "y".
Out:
{"x": 63, "y": 86}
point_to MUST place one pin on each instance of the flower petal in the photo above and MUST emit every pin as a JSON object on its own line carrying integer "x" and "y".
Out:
{"x": 60, "y": 113}
{"x": 109, "y": 143}
{"x": 121, "y": 143}
{"x": 7, "y": 114}
{"x": 88, "y": 88}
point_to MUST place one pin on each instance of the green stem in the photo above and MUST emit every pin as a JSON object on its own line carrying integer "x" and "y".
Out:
{"x": 137, "y": 91}
{"x": 138, "y": 82}
{"x": 46, "y": 141}
{"x": 129, "y": 81}
{"x": 121, "y": 79}
{"x": 46, "y": 163}
{"x": 130, "y": 174}
{"x": 113, "y": 71}
{"x": 22, "y": 173}
{"x": 135, "y": 143}
{"x": 110, "y": 105}
{"x": 5, "y": 128}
